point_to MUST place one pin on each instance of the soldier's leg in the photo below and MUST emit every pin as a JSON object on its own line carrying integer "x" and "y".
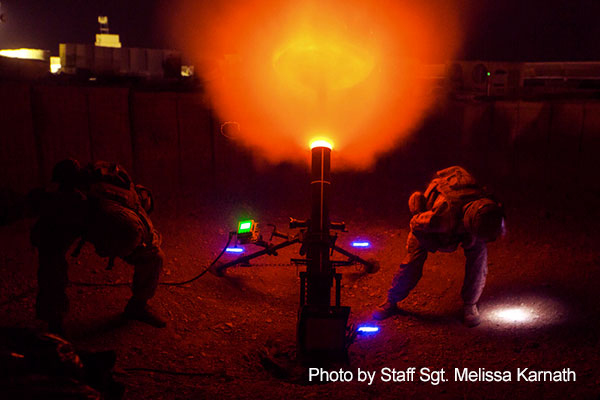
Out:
{"x": 475, "y": 272}
{"x": 147, "y": 263}
{"x": 52, "y": 302}
{"x": 405, "y": 279}
{"x": 410, "y": 271}
{"x": 475, "y": 275}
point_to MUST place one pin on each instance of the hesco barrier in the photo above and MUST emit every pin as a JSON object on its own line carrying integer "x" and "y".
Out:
{"x": 170, "y": 141}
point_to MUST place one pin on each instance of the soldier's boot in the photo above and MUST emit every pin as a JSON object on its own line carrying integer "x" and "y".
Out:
{"x": 141, "y": 311}
{"x": 471, "y": 315}
{"x": 386, "y": 310}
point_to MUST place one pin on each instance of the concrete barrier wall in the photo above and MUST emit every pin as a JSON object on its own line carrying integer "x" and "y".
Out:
{"x": 590, "y": 143}
{"x": 551, "y": 143}
{"x": 196, "y": 144}
{"x": 110, "y": 125}
{"x": 61, "y": 126}
{"x": 171, "y": 141}
{"x": 530, "y": 140}
{"x": 18, "y": 160}
{"x": 155, "y": 133}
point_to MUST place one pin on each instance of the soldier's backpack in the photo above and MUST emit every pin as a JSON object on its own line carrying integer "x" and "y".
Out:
{"x": 112, "y": 173}
{"x": 456, "y": 185}
{"x": 118, "y": 221}
{"x": 111, "y": 181}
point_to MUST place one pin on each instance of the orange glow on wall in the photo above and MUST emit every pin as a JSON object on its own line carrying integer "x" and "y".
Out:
{"x": 285, "y": 69}
{"x": 313, "y": 63}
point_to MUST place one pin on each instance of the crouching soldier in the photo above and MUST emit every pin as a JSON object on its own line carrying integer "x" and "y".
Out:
{"x": 453, "y": 210}
{"x": 98, "y": 204}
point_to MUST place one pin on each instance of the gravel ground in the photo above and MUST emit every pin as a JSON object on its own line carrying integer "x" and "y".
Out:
{"x": 238, "y": 332}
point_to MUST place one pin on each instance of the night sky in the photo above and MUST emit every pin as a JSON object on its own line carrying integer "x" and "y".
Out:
{"x": 509, "y": 30}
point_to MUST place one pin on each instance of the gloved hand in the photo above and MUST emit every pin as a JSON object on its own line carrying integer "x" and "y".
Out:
{"x": 416, "y": 203}
{"x": 421, "y": 222}
{"x": 146, "y": 198}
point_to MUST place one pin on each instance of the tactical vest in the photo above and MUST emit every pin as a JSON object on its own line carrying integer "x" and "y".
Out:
{"x": 109, "y": 182}
{"x": 456, "y": 185}
{"x": 102, "y": 171}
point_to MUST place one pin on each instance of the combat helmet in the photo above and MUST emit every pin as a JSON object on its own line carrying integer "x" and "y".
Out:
{"x": 66, "y": 173}
{"x": 484, "y": 219}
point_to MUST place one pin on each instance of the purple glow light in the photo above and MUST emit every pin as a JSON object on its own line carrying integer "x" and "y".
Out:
{"x": 368, "y": 329}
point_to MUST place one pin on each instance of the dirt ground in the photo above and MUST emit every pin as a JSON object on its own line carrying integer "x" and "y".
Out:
{"x": 228, "y": 329}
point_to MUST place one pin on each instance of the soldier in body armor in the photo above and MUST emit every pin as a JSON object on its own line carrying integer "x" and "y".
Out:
{"x": 453, "y": 210}
{"x": 101, "y": 205}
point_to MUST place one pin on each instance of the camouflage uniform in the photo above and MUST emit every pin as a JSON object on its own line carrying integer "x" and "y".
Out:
{"x": 437, "y": 225}
{"x": 107, "y": 212}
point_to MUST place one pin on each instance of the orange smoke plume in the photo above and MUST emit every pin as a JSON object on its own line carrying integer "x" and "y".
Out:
{"x": 290, "y": 72}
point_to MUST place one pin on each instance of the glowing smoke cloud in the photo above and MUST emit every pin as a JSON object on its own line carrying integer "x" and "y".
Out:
{"x": 344, "y": 70}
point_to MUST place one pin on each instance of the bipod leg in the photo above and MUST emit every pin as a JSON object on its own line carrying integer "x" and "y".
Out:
{"x": 370, "y": 266}
{"x": 219, "y": 269}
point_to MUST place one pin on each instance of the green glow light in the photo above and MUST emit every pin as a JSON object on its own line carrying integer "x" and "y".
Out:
{"x": 245, "y": 226}
{"x": 489, "y": 74}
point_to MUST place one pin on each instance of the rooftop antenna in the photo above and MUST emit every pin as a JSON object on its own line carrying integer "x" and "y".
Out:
{"x": 103, "y": 21}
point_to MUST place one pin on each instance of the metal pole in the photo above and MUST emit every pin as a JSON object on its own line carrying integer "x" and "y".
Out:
{"x": 319, "y": 271}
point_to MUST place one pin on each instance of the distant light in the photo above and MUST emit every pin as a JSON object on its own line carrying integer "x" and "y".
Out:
{"x": 234, "y": 250}
{"x": 361, "y": 244}
{"x": 187, "y": 70}
{"x": 321, "y": 143}
{"x": 55, "y": 64}
{"x": 108, "y": 40}
{"x": 489, "y": 74}
{"x": 26, "y": 54}
{"x": 368, "y": 329}
{"x": 514, "y": 315}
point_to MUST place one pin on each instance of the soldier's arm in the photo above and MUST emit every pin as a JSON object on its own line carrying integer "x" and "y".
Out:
{"x": 438, "y": 220}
